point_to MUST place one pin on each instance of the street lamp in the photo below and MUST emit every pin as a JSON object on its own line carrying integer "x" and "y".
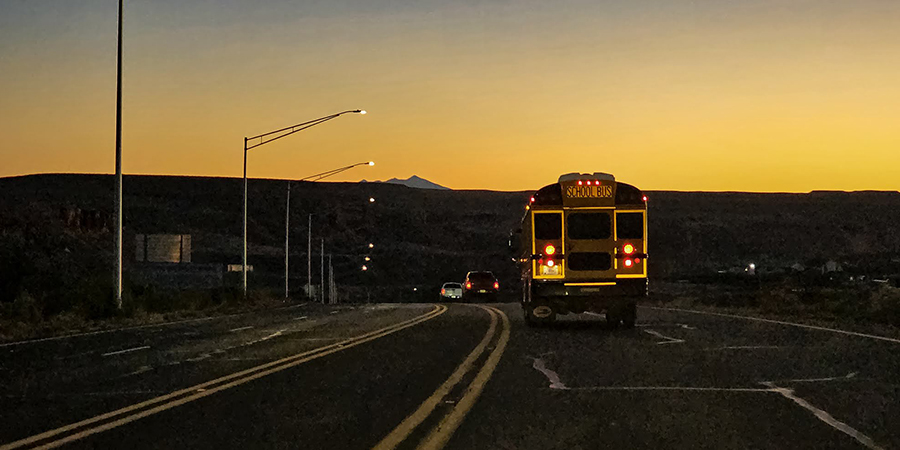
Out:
{"x": 287, "y": 220}
{"x": 118, "y": 195}
{"x": 265, "y": 138}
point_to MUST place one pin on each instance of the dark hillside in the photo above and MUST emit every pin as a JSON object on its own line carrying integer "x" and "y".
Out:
{"x": 422, "y": 237}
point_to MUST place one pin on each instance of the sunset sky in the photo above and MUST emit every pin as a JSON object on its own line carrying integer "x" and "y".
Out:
{"x": 748, "y": 95}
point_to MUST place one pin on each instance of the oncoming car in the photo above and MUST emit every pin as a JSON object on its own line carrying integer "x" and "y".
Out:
{"x": 451, "y": 291}
{"x": 481, "y": 285}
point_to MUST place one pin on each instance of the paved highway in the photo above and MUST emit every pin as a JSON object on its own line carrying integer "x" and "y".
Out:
{"x": 453, "y": 376}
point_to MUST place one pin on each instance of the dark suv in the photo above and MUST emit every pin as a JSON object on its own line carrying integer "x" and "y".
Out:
{"x": 480, "y": 285}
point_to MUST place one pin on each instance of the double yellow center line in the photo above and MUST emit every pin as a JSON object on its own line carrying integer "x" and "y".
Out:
{"x": 443, "y": 431}
{"x": 79, "y": 430}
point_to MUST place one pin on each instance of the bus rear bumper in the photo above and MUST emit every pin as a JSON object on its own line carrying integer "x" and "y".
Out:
{"x": 632, "y": 287}
{"x": 565, "y": 298}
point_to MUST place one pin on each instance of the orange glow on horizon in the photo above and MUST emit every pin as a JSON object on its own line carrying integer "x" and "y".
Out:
{"x": 710, "y": 97}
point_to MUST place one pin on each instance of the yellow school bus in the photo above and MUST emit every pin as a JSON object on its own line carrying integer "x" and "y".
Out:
{"x": 582, "y": 246}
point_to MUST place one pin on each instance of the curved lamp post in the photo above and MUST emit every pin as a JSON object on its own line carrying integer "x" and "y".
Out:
{"x": 287, "y": 222}
{"x": 265, "y": 138}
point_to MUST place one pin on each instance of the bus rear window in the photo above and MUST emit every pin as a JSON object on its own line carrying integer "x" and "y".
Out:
{"x": 588, "y": 226}
{"x": 547, "y": 226}
{"x": 630, "y": 225}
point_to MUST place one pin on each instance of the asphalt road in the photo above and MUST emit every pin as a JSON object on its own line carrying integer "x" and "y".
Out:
{"x": 453, "y": 376}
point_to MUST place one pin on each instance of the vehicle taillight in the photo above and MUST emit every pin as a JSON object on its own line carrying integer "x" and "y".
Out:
{"x": 443, "y": 291}
{"x": 628, "y": 263}
{"x": 628, "y": 249}
{"x": 496, "y": 285}
{"x": 549, "y": 249}
{"x": 468, "y": 285}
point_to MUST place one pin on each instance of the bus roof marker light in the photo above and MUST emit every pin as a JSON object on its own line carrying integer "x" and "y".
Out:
{"x": 580, "y": 182}
{"x": 645, "y": 198}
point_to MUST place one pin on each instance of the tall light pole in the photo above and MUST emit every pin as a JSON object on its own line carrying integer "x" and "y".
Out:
{"x": 265, "y": 138}
{"x": 322, "y": 271}
{"x": 287, "y": 218}
{"x": 309, "y": 258}
{"x": 118, "y": 263}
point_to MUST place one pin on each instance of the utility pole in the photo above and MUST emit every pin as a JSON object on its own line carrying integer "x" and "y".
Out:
{"x": 118, "y": 264}
{"x": 309, "y": 259}
{"x": 287, "y": 229}
{"x": 322, "y": 270}
{"x": 331, "y": 292}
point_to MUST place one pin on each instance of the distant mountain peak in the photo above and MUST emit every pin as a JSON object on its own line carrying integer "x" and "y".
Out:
{"x": 416, "y": 182}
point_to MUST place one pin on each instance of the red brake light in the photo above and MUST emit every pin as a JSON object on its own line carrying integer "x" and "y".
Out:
{"x": 468, "y": 285}
{"x": 628, "y": 263}
{"x": 443, "y": 291}
{"x": 532, "y": 199}
{"x": 549, "y": 249}
{"x": 628, "y": 249}
{"x": 496, "y": 285}
{"x": 645, "y": 198}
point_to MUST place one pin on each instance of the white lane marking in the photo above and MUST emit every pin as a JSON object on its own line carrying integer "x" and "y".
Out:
{"x": 779, "y": 322}
{"x": 128, "y": 350}
{"x": 555, "y": 382}
{"x": 334, "y": 312}
{"x": 668, "y": 340}
{"x": 668, "y": 388}
{"x": 92, "y": 333}
{"x": 275, "y": 334}
{"x": 84, "y": 394}
{"x": 686, "y": 326}
{"x": 300, "y": 318}
{"x": 594, "y": 314}
{"x": 140, "y": 370}
{"x": 814, "y": 380}
{"x": 240, "y": 329}
{"x": 149, "y": 325}
{"x": 744, "y": 347}
{"x": 827, "y": 418}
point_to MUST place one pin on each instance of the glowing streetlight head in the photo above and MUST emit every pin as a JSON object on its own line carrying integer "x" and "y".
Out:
{"x": 371, "y": 199}
{"x": 361, "y": 111}
{"x": 368, "y": 258}
{"x": 364, "y": 268}
{"x": 371, "y": 245}
{"x": 371, "y": 163}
